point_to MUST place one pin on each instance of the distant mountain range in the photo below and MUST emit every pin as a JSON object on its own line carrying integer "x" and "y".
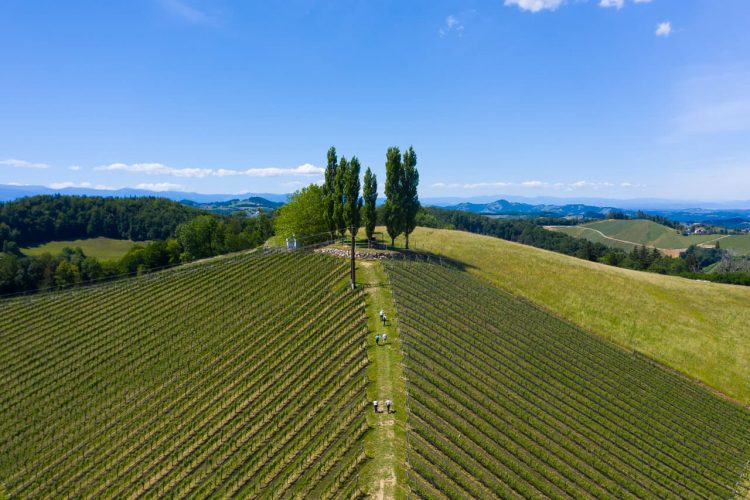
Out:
{"x": 732, "y": 214}
{"x": 251, "y": 206}
{"x": 731, "y": 218}
{"x": 504, "y": 207}
{"x": 11, "y": 192}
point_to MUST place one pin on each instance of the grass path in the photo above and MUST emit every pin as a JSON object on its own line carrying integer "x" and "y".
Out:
{"x": 383, "y": 476}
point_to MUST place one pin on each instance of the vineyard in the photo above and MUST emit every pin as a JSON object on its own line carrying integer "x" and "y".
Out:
{"x": 241, "y": 376}
{"x": 506, "y": 400}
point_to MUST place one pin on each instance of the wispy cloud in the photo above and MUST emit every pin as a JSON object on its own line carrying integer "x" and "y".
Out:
{"x": 714, "y": 103}
{"x": 160, "y": 186}
{"x": 536, "y": 184}
{"x": 74, "y": 168}
{"x": 69, "y": 184}
{"x": 22, "y": 164}
{"x": 157, "y": 169}
{"x": 535, "y": 5}
{"x": 160, "y": 169}
{"x": 186, "y": 12}
{"x": 452, "y": 24}
{"x": 663, "y": 29}
{"x": 303, "y": 170}
{"x": 540, "y": 5}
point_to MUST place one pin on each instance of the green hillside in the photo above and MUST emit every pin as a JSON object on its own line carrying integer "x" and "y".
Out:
{"x": 700, "y": 329}
{"x": 236, "y": 376}
{"x": 626, "y": 234}
{"x": 506, "y": 400}
{"x": 101, "y": 248}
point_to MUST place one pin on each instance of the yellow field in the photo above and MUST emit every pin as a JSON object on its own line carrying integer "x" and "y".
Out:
{"x": 701, "y": 329}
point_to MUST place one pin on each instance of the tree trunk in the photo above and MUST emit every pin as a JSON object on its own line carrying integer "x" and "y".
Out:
{"x": 407, "y": 241}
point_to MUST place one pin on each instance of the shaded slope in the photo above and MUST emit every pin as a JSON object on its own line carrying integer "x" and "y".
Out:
{"x": 239, "y": 375}
{"x": 507, "y": 400}
{"x": 700, "y": 329}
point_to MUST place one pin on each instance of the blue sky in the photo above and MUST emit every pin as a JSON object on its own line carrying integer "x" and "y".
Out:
{"x": 568, "y": 98}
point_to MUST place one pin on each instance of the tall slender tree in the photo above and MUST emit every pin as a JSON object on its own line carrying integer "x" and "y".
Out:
{"x": 352, "y": 200}
{"x": 329, "y": 192}
{"x": 393, "y": 205}
{"x": 370, "y": 195}
{"x": 338, "y": 196}
{"x": 409, "y": 197}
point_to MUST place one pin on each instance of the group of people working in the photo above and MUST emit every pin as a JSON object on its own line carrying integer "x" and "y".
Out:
{"x": 384, "y": 337}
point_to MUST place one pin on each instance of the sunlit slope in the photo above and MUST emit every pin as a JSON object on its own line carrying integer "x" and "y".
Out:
{"x": 701, "y": 329}
{"x": 627, "y": 234}
{"x": 235, "y": 376}
{"x": 507, "y": 400}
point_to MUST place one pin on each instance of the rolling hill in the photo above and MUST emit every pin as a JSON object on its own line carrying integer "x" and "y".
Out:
{"x": 507, "y": 400}
{"x": 627, "y": 234}
{"x": 700, "y": 329}
{"x": 213, "y": 379}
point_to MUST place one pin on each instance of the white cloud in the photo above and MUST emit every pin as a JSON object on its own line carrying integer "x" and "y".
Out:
{"x": 617, "y": 4}
{"x": 69, "y": 184}
{"x": 641, "y": 1}
{"x": 663, "y": 29}
{"x": 535, "y": 5}
{"x": 591, "y": 185}
{"x": 22, "y": 164}
{"x": 160, "y": 186}
{"x": 74, "y": 168}
{"x": 160, "y": 169}
{"x": 303, "y": 170}
{"x": 452, "y": 24}
{"x": 534, "y": 184}
{"x": 157, "y": 169}
{"x": 486, "y": 184}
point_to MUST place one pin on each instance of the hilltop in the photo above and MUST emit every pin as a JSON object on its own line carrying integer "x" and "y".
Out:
{"x": 627, "y": 234}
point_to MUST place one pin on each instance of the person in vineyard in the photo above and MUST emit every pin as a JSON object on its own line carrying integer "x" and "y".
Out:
{"x": 382, "y": 313}
{"x": 377, "y": 339}
{"x": 388, "y": 405}
{"x": 375, "y": 405}
{"x": 384, "y": 319}
{"x": 385, "y": 337}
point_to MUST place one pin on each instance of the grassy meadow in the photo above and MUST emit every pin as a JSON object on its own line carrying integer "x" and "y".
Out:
{"x": 700, "y": 329}
{"x": 101, "y": 248}
{"x": 627, "y": 234}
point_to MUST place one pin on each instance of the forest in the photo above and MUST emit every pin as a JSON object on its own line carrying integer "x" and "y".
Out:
{"x": 171, "y": 234}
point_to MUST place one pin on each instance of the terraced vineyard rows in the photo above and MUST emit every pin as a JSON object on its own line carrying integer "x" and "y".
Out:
{"x": 508, "y": 401}
{"x": 241, "y": 375}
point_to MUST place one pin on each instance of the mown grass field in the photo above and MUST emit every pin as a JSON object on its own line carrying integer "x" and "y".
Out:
{"x": 700, "y": 329}
{"x": 506, "y": 400}
{"x": 236, "y": 376}
{"x": 101, "y": 248}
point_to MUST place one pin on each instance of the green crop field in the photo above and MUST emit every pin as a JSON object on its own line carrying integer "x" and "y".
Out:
{"x": 627, "y": 234}
{"x": 101, "y": 248}
{"x": 701, "y": 329}
{"x": 236, "y": 376}
{"x": 506, "y": 400}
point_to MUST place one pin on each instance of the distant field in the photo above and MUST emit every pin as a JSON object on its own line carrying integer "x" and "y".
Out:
{"x": 627, "y": 234}
{"x": 101, "y": 248}
{"x": 701, "y": 329}
{"x": 508, "y": 400}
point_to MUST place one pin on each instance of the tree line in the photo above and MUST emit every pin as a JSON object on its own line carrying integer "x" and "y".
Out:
{"x": 182, "y": 234}
{"x": 318, "y": 213}
{"x": 689, "y": 264}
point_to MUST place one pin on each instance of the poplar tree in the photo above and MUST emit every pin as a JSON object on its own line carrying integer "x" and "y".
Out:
{"x": 393, "y": 205}
{"x": 338, "y": 196}
{"x": 352, "y": 201}
{"x": 409, "y": 197}
{"x": 329, "y": 192}
{"x": 370, "y": 195}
